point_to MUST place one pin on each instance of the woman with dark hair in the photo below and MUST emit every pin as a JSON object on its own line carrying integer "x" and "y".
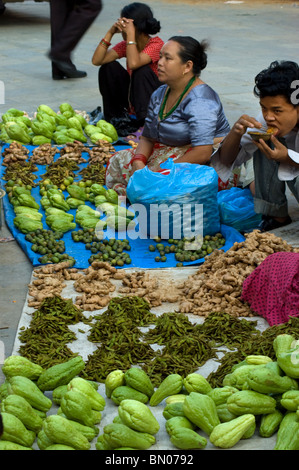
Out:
{"x": 276, "y": 162}
{"x": 128, "y": 90}
{"x": 185, "y": 116}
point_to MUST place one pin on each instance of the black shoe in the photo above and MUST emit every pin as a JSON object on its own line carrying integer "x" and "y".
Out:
{"x": 269, "y": 223}
{"x": 68, "y": 70}
{"x": 2, "y": 9}
{"x": 65, "y": 69}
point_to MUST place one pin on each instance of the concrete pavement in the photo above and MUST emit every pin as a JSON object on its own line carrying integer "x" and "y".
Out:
{"x": 244, "y": 38}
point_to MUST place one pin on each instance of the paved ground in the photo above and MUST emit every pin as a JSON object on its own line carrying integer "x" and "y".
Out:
{"x": 244, "y": 38}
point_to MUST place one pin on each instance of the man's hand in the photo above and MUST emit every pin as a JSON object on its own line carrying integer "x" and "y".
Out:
{"x": 279, "y": 153}
{"x": 245, "y": 121}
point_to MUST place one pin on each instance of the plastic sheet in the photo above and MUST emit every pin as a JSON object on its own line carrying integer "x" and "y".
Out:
{"x": 140, "y": 255}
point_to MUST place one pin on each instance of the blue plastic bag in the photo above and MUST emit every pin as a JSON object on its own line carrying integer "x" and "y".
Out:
{"x": 236, "y": 208}
{"x": 179, "y": 202}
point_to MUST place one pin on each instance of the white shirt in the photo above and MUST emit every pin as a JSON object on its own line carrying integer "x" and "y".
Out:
{"x": 286, "y": 172}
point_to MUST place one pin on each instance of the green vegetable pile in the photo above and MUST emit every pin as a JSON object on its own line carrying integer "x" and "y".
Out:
{"x": 113, "y": 251}
{"x": 49, "y": 126}
{"x": 187, "y": 249}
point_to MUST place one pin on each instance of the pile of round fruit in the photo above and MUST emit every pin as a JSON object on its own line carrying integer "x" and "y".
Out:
{"x": 186, "y": 250}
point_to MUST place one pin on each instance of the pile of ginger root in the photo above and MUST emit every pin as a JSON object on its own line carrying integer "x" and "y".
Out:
{"x": 217, "y": 284}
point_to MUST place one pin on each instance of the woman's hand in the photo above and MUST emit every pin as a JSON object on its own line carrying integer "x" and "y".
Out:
{"x": 245, "y": 121}
{"x": 137, "y": 165}
{"x": 126, "y": 25}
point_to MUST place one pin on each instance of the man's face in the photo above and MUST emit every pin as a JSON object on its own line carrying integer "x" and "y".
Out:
{"x": 279, "y": 114}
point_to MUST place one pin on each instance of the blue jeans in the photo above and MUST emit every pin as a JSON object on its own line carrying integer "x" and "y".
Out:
{"x": 270, "y": 197}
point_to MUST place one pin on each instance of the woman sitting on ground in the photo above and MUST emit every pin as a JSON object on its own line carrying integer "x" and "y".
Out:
{"x": 185, "y": 116}
{"x": 128, "y": 91}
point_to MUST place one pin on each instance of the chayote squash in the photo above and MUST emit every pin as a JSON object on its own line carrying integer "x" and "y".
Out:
{"x": 290, "y": 400}
{"x": 178, "y": 421}
{"x": 19, "y": 365}
{"x": 139, "y": 380}
{"x": 15, "y": 431}
{"x": 27, "y": 224}
{"x": 138, "y": 416}
{"x": 270, "y": 423}
{"x": 250, "y": 401}
{"x": 44, "y": 128}
{"x": 265, "y": 379}
{"x": 77, "y": 135}
{"x": 43, "y": 441}
{"x": 173, "y": 409}
{"x": 17, "y": 132}
{"x": 224, "y": 414}
{"x": 120, "y": 435}
{"x": 107, "y": 129}
{"x": 40, "y": 140}
{"x": 98, "y": 189}
{"x": 257, "y": 359}
{"x": 221, "y": 394}
{"x": 86, "y": 388}
{"x": 28, "y": 389}
{"x": 77, "y": 407}
{"x": 73, "y": 202}
{"x": 43, "y": 108}
{"x": 74, "y": 123}
{"x": 58, "y": 200}
{"x": 96, "y": 136}
{"x": 24, "y": 199}
{"x": 60, "y": 374}
{"x": 77, "y": 192}
{"x": 114, "y": 379}
{"x": 66, "y": 107}
{"x": 124, "y": 392}
{"x": 201, "y": 410}
{"x": 14, "y": 112}
{"x": 8, "y": 445}
{"x": 175, "y": 398}
{"x": 226, "y": 435}
{"x": 21, "y": 408}
{"x": 288, "y": 433}
{"x": 185, "y": 438}
{"x": 238, "y": 378}
{"x": 172, "y": 384}
{"x": 60, "y": 430}
{"x": 287, "y": 354}
{"x": 196, "y": 383}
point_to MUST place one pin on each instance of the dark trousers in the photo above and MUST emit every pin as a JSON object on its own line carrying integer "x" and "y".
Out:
{"x": 119, "y": 89}
{"x": 70, "y": 19}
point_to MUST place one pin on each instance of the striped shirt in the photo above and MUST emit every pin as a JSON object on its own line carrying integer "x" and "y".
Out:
{"x": 152, "y": 49}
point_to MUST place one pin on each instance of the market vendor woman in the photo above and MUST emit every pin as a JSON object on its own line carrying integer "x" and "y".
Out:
{"x": 185, "y": 116}
{"x": 128, "y": 90}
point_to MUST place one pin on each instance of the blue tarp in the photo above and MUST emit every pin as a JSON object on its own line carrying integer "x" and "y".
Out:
{"x": 140, "y": 255}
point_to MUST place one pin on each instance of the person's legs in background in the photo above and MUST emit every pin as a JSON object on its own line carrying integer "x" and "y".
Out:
{"x": 69, "y": 21}
{"x": 114, "y": 82}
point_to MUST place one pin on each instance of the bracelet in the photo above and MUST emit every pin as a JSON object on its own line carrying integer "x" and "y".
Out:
{"x": 105, "y": 43}
{"x": 139, "y": 157}
{"x": 131, "y": 42}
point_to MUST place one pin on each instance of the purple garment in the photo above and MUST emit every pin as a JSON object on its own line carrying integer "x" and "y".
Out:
{"x": 197, "y": 120}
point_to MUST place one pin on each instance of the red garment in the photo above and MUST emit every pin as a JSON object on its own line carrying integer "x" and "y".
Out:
{"x": 272, "y": 289}
{"x": 152, "y": 49}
